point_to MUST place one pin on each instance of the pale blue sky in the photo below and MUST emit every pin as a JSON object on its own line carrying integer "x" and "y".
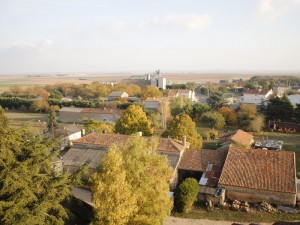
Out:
{"x": 57, "y": 36}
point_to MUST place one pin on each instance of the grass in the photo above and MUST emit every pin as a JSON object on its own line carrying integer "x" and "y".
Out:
{"x": 291, "y": 142}
{"x": 36, "y": 121}
{"x": 26, "y": 117}
{"x": 200, "y": 212}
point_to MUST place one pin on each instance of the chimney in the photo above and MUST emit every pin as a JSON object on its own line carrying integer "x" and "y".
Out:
{"x": 184, "y": 141}
{"x": 140, "y": 133}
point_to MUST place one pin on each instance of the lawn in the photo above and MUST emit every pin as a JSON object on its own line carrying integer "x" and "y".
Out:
{"x": 291, "y": 142}
{"x": 36, "y": 121}
{"x": 33, "y": 117}
{"x": 200, "y": 212}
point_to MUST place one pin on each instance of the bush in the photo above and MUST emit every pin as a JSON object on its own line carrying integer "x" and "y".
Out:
{"x": 215, "y": 119}
{"x": 213, "y": 134}
{"x": 186, "y": 195}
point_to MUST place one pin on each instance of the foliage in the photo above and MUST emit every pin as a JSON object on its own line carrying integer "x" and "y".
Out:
{"x": 52, "y": 122}
{"x": 229, "y": 115}
{"x": 222, "y": 89}
{"x": 279, "y": 109}
{"x": 31, "y": 192}
{"x": 186, "y": 195}
{"x": 215, "y": 119}
{"x": 257, "y": 123}
{"x": 133, "y": 179}
{"x": 182, "y": 125}
{"x": 40, "y": 105}
{"x": 56, "y": 95}
{"x": 297, "y": 113}
{"x": 204, "y": 91}
{"x": 14, "y": 103}
{"x": 151, "y": 91}
{"x": 276, "y": 80}
{"x": 181, "y": 105}
{"x": 252, "y": 85}
{"x": 198, "y": 110}
{"x": 3, "y": 119}
{"x": 216, "y": 101}
{"x": 112, "y": 193}
{"x": 97, "y": 126}
{"x": 133, "y": 120}
{"x": 250, "y": 109}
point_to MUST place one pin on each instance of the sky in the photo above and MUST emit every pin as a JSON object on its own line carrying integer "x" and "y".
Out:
{"x": 65, "y": 36}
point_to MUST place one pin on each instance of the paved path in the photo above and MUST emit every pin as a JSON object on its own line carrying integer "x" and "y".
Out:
{"x": 182, "y": 221}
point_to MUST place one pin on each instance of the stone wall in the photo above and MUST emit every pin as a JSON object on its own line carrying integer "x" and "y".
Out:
{"x": 255, "y": 196}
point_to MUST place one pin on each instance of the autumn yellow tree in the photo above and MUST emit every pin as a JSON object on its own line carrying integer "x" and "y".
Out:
{"x": 133, "y": 120}
{"x": 151, "y": 91}
{"x": 132, "y": 184}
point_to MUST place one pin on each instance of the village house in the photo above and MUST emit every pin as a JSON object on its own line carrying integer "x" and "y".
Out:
{"x": 75, "y": 115}
{"x": 92, "y": 148}
{"x": 152, "y": 104}
{"x": 281, "y": 90}
{"x": 257, "y": 96}
{"x": 294, "y": 99}
{"x": 253, "y": 175}
{"x": 115, "y": 95}
{"x": 248, "y": 175}
{"x": 186, "y": 93}
{"x": 67, "y": 133}
{"x": 236, "y": 138}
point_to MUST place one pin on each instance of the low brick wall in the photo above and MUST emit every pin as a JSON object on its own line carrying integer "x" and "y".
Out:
{"x": 255, "y": 196}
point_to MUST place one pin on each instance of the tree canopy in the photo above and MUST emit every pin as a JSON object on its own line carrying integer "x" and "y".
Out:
{"x": 280, "y": 109}
{"x": 216, "y": 101}
{"x": 182, "y": 125}
{"x": 97, "y": 126}
{"x": 133, "y": 120}
{"x": 131, "y": 185}
{"x": 31, "y": 191}
{"x": 151, "y": 91}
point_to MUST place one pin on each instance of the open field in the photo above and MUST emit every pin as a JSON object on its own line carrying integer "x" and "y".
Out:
{"x": 7, "y": 81}
{"x": 36, "y": 121}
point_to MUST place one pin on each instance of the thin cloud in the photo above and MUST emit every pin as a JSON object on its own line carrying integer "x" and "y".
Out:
{"x": 179, "y": 20}
{"x": 272, "y": 9}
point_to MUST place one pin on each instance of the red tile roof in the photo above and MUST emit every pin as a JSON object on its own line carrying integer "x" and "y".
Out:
{"x": 105, "y": 140}
{"x": 260, "y": 170}
{"x": 197, "y": 160}
{"x": 256, "y": 92}
{"x": 239, "y": 137}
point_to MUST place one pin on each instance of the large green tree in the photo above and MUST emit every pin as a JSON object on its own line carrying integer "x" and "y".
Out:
{"x": 143, "y": 175}
{"x": 182, "y": 125}
{"x": 31, "y": 190}
{"x": 280, "y": 109}
{"x": 216, "y": 101}
{"x": 133, "y": 120}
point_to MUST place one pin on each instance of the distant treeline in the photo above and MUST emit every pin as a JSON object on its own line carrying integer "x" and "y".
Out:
{"x": 276, "y": 80}
{"x": 24, "y": 103}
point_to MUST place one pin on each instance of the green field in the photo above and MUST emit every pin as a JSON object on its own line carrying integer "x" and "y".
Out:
{"x": 33, "y": 117}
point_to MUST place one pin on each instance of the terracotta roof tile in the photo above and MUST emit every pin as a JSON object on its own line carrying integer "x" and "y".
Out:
{"x": 260, "y": 169}
{"x": 197, "y": 160}
{"x": 238, "y": 137}
{"x": 256, "y": 92}
{"x": 105, "y": 140}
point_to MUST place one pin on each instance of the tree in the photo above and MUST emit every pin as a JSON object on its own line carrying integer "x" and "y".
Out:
{"x": 180, "y": 105}
{"x": 186, "y": 195}
{"x": 40, "y": 105}
{"x": 112, "y": 193}
{"x": 143, "y": 175}
{"x": 297, "y": 113}
{"x": 215, "y": 119}
{"x": 280, "y": 109}
{"x": 257, "y": 123}
{"x": 3, "y": 119}
{"x": 133, "y": 120}
{"x": 31, "y": 191}
{"x": 229, "y": 115}
{"x": 56, "y": 95}
{"x": 97, "y": 126}
{"x": 198, "y": 110}
{"x": 52, "y": 122}
{"x": 216, "y": 101}
{"x": 182, "y": 125}
{"x": 151, "y": 91}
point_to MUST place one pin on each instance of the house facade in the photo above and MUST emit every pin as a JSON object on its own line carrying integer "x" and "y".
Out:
{"x": 294, "y": 99}
{"x": 256, "y": 96}
{"x": 117, "y": 95}
{"x": 190, "y": 94}
{"x": 75, "y": 115}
